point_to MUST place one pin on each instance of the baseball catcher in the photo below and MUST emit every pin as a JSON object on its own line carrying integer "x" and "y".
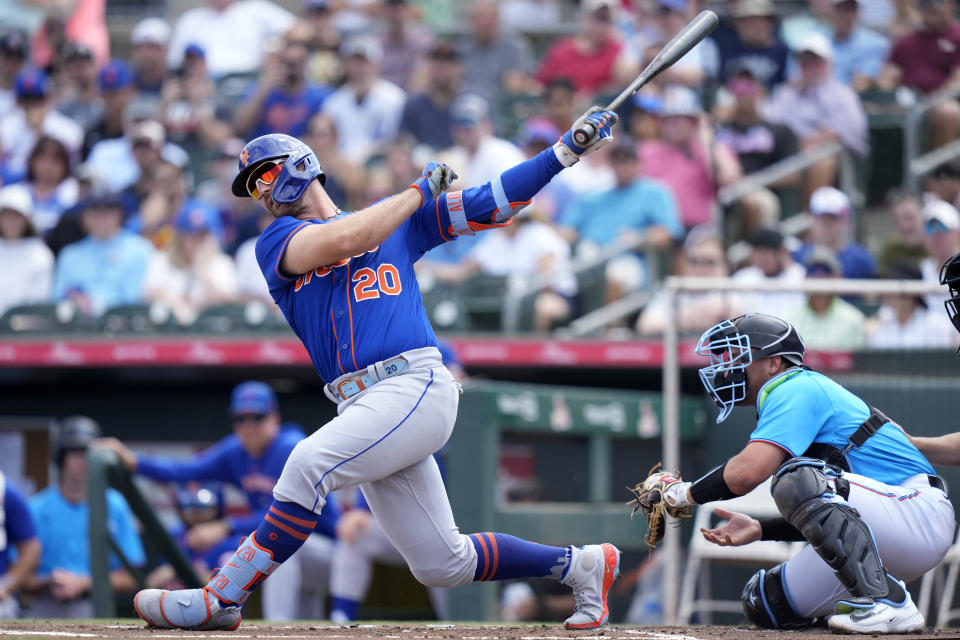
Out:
{"x": 842, "y": 472}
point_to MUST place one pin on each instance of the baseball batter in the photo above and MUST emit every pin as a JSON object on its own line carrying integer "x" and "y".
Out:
{"x": 845, "y": 479}
{"x": 345, "y": 283}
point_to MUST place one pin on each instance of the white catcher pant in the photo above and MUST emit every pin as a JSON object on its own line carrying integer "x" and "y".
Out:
{"x": 913, "y": 525}
{"x": 383, "y": 439}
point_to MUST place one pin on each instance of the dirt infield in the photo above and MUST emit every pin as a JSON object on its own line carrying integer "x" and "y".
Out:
{"x": 41, "y": 630}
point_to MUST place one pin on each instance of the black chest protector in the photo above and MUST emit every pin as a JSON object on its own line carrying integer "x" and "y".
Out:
{"x": 836, "y": 457}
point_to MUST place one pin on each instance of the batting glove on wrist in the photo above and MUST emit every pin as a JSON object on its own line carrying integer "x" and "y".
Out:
{"x": 569, "y": 152}
{"x": 434, "y": 180}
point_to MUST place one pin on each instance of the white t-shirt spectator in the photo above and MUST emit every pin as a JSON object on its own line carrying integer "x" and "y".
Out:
{"x": 493, "y": 157}
{"x": 925, "y": 329}
{"x": 768, "y": 302}
{"x": 521, "y": 254}
{"x": 232, "y": 39}
{"x": 18, "y": 139}
{"x": 26, "y": 272}
{"x": 363, "y": 126}
{"x": 250, "y": 280}
{"x": 188, "y": 283}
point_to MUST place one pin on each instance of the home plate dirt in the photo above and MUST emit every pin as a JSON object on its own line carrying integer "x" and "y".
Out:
{"x": 41, "y": 629}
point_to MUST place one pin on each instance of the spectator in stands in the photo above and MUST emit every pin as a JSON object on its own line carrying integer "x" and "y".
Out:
{"x": 251, "y": 284}
{"x": 815, "y": 15}
{"x": 687, "y": 158}
{"x": 80, "y": 21}
{"x": 819, "y": 109}
{"x": 13, "y": 55}
{"x": 827, "y": 321}
{"x": 49, "y": 182}
{"x": 830, "y": 228}
{"x": 699, "y": 65}
{"x": 769, "y": 260}
{"x": 236, "y": 214}
{"x": 282, "y": 101}
{"x": 478, "y": 155}
{"x": 366, "y": 108}
{"x": 19, "y": 535}
{"x": 233, "y": 33}
{"x": 79, "y": 94}
{"x": 70, "y": 227}
{"x": 901, "y": 18}
{"x": 121, "y": 160}
{"x": 146, "y": 146}
{"x": 927, "y": 60}
{"x": 758, "y": 144}
{"x": 944, "y": 182}
{"x": 644, "y": 122}
{"x": 908, "y": 244}
{"x": 406, "y": 41}
{"x": 858, "y": 52}
{"x": 637, "y": 213}
{"x": 426, "y": 116}
{"x": 149, "y": 38}
{"x": 195, "y": 116}
{"x": 34, "y": 116}
{"x": 115, "y": 81}
{"x": 904, "y": 321}
{"x": 754, "y": 43}
{"x": 163, "y": 198}
{"x": 942, "y": 228}
{"x": 192, "y": 273}
{"x": 702, "y": 256}
{"x": 536, "y": 253}
{"x": 588, "y": 57}
{"x": 63, "y": 580}
{"x": 344, "y": 177}
{"x": 250, "y": 459}
{"x": 559, "y": 103}
{"x": 494, "y": 62}
{"x": 26, "y": 263}
{"x": 106, "y": 268}
{"x": 324, "y": 66}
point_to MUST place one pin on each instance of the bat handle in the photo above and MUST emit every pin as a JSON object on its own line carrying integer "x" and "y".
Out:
{"x": 584, "y": 133}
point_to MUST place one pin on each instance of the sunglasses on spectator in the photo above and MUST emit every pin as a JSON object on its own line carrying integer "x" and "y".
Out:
{"x": 249, "y": 417}
{"x": 703, "y": 261}
{"x": 263, "y": 178}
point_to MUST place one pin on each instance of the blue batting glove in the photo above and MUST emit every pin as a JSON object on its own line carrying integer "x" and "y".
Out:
{"x": 569, "y": 151}
{"x": 434, "y": 180}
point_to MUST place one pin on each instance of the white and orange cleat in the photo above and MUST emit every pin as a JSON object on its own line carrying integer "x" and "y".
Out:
{"x": 593, "y": 568}
{"x": 195, "y": 609}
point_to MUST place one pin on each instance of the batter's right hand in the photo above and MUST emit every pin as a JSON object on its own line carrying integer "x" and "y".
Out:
{"x": 353, "y": 524}
{"x": 434, "y": 180}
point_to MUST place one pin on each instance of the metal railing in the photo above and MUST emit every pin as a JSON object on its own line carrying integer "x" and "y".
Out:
{"x": 915, "y": 164}
{"x": 671, "y": 373}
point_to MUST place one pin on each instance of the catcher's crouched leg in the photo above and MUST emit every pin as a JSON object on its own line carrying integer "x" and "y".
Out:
{"x": 766, "y": 604}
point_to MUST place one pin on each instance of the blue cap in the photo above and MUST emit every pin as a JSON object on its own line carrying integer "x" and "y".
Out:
{"x": 252, "y": 397}
{"x": 673, "y": 5}
{"x": 195, "y": 50}
{"x": 196, "y": 216}
{"x": 116, "y": 74}
{"x": 538, "y": 130}
{"x": 649, "y": 102}
{"x": 31, "y": 83}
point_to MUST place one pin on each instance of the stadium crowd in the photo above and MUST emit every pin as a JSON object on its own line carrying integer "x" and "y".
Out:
{"x": 116, "y": 169}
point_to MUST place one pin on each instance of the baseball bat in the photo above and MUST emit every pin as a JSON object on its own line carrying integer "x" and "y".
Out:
{"x": 698, "y": 29}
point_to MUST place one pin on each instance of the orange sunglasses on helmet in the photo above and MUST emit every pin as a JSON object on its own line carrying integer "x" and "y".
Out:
{"x": 267, "y": 177}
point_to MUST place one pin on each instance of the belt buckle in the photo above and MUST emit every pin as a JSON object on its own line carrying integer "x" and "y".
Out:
{"x": 357, "y": 387}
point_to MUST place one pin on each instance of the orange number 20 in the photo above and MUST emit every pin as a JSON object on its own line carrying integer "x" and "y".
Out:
{"x": 386, "y": 279}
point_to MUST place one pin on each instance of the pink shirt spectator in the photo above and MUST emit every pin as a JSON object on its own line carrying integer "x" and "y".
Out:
{"x": 589, "y": 72}
{"x": 86, "y": 25}
{"x": 926, "y": 59}
{"x": 687, "y": 176}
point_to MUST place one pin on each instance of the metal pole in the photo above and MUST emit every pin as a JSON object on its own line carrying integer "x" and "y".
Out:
{"x": 909, "y": 149}
{"x": 98, "y": 481}
{"x": 671, "y": 447}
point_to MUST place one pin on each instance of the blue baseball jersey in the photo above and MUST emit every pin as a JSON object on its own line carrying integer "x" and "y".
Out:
{"x": 799, "y": 408}
{"x": 17, "y": 522}
{"x": 63, "y": 532}
{"x": 368, "y": 308}
{"x": 227, "y": 461}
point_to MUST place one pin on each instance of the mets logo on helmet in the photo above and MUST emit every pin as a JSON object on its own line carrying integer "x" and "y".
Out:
{"x": 244, "y": 158}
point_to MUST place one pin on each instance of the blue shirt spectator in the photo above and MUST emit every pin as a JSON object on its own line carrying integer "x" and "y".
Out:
{"x": 288, "y": 112}
{"x": 106, "y": 268}
{"x": 757, "y": 45}
{"x": 426, "y": 116}
{"x": 62, "y": 527}
{"x": 858, "y": 52}
{"x": 830, "y": 227}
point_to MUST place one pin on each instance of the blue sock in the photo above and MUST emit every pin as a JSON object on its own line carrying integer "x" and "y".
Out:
{"x": 503, "y": 557}
{"x": 285, "y": 528}
{"x": 345, "y": 606}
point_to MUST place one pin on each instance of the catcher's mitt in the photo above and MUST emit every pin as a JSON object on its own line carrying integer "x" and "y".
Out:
{"x": 648, "y": 497}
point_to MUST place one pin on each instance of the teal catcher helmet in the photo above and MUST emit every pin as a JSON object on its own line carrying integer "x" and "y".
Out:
{"x": 300, "y": 166}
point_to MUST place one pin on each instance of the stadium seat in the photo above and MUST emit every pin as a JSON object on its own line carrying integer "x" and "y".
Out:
{"x": 41, "y": 318}
{"x": 695, "y": 594}
{"x": 136, "y": 318}
{"x": 230, "y": 318}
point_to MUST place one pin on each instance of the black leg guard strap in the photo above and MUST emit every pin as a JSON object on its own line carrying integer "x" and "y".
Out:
{"x": 765, "y": 602}
{"x": 830, "y": 525}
